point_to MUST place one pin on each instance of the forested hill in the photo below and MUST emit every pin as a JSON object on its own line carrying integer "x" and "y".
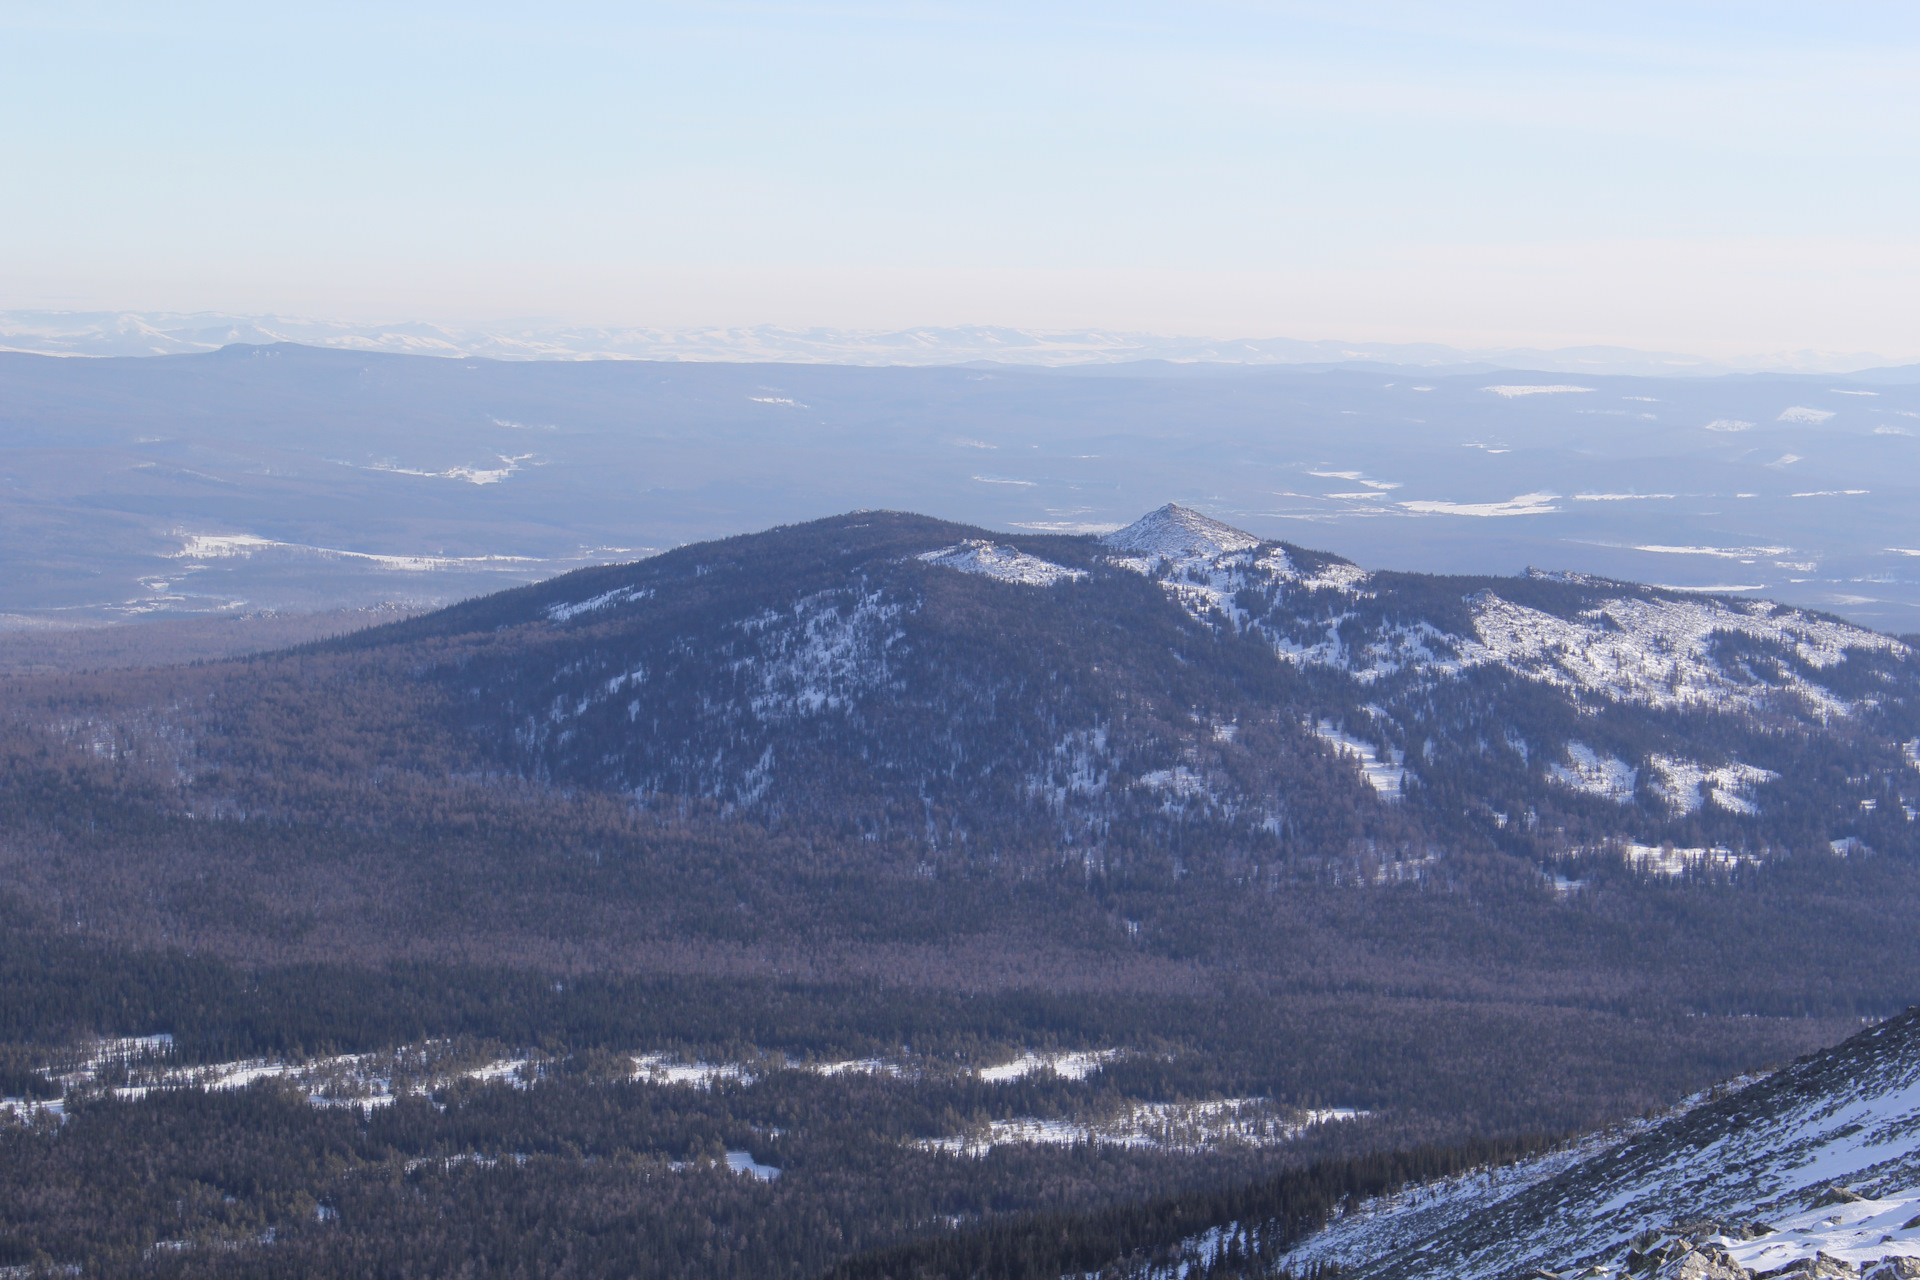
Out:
{"x": 1180, "y": 680}
{"x": 960, "y": 877}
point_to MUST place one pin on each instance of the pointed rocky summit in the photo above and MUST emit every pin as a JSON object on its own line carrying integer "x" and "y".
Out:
{"x": 1175, "y": 532}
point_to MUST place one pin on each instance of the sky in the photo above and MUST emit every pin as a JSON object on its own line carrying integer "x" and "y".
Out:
{"x": 1724, "y": 179}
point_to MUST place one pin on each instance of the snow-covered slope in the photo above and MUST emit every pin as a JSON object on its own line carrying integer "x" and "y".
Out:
{"x": 1822, "y": 1157}
{"x": 977, "y": 555}
{"x": 1396, "y": 642}
{"x": 1182, "y": 671}
{"x": 1628, "y": 643}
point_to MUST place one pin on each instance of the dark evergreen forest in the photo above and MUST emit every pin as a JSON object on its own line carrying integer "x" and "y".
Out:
{"x": 372, "y": 846}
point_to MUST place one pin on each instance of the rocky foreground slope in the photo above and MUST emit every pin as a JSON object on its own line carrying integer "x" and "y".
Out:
{"x": 1813, "y": 1170}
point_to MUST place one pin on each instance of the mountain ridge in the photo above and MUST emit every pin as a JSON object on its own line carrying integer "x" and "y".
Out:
{"x": 125, "y": 333}
{"x": 843, "y": 631}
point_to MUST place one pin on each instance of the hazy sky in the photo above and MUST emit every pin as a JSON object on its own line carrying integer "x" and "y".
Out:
{"x": 1719, "y": 178}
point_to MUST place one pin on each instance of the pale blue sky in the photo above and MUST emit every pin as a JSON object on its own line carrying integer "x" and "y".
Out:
{"x": 1720, "y": 178}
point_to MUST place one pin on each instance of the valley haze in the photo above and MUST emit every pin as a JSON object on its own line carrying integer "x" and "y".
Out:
{"x": 290, "y": 478}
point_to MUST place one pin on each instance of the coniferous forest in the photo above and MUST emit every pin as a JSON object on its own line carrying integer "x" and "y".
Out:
{"x": 803, "y": 908}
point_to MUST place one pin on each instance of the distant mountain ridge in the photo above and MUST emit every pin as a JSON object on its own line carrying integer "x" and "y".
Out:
{"x": 172, "y": 333}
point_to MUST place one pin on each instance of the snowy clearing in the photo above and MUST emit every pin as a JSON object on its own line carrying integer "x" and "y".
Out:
{"x": 1608, "y": 777}
{"x": 1068, "y": 1066}
{"x": 1667, "y": 860}
{"x": 1387, "y": 777}
{"x": 658, "y": 1068}
{"x": 1166, "y": 1126}
{"x": 1686, "y": 784}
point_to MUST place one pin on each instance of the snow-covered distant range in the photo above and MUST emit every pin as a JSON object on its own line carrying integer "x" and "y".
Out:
{"x": 129, "y": 333}
{"x": 288, "y": 477}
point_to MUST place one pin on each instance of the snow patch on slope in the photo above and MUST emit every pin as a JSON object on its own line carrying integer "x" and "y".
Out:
{"x": 1686, "y": 784}
{"x": 565, "y": 610}
{"x": 1608, "y": 777}
{"x": 831, "y": 650}
{"x": 1391, "y": 1225}
{"x": 1335, "y": 575}
{"x": 1387, "y": 777}
{"x": 1858, "y": 1233}
{"x": 1659, "y": 653}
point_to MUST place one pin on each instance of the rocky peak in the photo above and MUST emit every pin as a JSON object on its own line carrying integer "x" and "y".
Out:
{"x": 1175, "y": 532}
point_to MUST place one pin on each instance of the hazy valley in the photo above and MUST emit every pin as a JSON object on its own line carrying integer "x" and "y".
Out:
{"x": 293, "y": 479}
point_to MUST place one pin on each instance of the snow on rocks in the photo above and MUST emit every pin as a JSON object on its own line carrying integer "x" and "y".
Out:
{"x": 1005, "y": 564}
{"x": 1660, "y": 653}
{"x": 1822, "y": 1156}
{"x": 1859, "y": 1232}
{"x": 1178, "y": 534}
{"x": 1395, "y": 1224}
{"x": 1649, "y": 649}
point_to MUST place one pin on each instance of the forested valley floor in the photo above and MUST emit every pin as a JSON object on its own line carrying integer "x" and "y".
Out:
{"x": 295, "y": 981}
